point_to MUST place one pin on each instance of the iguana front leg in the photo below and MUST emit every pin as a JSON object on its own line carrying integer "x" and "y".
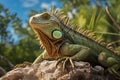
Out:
{"x": 69, "y": 52}
{"x": 73, "y": 52}
{"x": 42, "y": 57}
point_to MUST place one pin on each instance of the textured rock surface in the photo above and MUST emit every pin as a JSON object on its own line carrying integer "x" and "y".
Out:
{"x": 46, "y": 70}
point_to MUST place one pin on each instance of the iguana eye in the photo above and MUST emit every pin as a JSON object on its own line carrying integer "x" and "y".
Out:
{"x": 57, "y": 34}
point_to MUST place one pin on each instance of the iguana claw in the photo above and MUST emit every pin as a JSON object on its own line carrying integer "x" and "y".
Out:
{"x": 114, "y": 70}
{"x": 65, "y": 60}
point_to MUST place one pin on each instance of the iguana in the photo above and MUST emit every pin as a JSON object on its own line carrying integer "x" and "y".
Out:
{"x": 56, "y": 35}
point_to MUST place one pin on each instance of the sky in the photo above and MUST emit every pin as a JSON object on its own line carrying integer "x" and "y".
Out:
{"x": 22, "y": 7}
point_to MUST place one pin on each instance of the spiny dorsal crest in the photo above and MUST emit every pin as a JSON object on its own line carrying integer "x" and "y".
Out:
{"x": 66, "y": 21}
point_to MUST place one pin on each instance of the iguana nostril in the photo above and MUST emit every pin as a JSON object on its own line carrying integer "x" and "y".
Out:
{"x": 34, "y": 17}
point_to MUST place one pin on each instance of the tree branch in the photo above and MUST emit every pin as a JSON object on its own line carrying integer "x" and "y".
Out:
{"x": 6, "y": 61}
{"x": 111, "y": 17}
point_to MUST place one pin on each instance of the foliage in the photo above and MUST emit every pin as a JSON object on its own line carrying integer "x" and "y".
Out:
{"x": 93, "y": 15}
{"x": 11, "y": 52}
{"x": 5, "y": 37}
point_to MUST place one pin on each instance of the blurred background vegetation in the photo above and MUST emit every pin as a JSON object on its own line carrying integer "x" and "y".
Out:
{"x": 104, "y": 21}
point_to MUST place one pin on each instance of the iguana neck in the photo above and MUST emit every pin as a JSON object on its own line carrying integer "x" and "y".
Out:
{"x": 81, "y": 39}
{"x": 52, "y": 46}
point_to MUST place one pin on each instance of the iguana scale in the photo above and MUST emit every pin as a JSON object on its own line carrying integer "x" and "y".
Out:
{"x": 61, "y": 41}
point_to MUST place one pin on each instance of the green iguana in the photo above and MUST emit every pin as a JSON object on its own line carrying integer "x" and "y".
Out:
{"x": 61, "y": 41}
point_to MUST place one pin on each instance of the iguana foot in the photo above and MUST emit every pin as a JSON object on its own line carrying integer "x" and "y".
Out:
{"x": 23, "y": 65}
{"x": 114, "y": 70}
{"x": 65, "y": 60}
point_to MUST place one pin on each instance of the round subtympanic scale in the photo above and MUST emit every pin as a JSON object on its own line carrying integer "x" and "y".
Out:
{"x": 57, "y": 34}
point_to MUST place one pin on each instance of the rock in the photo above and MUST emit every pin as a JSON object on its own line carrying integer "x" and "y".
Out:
{"x": 47, "y": 70}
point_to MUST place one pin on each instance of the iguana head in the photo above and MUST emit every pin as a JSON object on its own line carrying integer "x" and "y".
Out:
{"x": 46, "y": 24}
{"x": 47, "y": 30}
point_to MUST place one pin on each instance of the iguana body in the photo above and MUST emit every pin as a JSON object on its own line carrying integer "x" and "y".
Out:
{"x": 59, "y": 40}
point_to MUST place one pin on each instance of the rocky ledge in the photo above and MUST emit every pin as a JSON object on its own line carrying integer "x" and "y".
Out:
{"x": 47, "y": 70}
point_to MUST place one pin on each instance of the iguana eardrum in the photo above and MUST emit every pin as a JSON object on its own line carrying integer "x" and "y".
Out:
{"x": 60, "y": 40}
